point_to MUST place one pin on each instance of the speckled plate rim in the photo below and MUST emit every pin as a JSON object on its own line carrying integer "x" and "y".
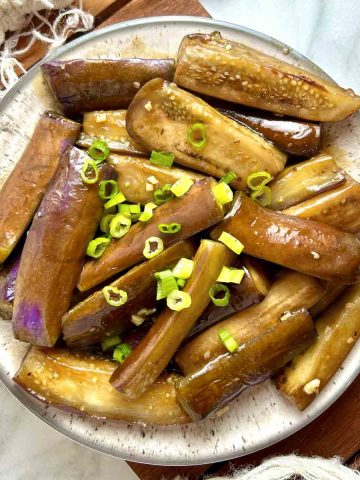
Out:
{"x": 322, "y": 403}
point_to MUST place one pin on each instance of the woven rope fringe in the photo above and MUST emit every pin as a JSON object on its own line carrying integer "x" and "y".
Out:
{"x": 288, "y": 467}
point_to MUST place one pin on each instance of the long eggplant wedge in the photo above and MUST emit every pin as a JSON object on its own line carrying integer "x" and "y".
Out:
{"x": 141, "y": 369}
{"x": 128, "y": 250}
{"x": 304, "y": 245}
{"x": 331, "y": 291}
{"x": 109, "y": 125}
{"x": 87, "y": 85}
{"x": 305, "y": 180}
{"x": 54, "y": 251}
{"x": 222, "y": 380}
{"x": 290, "y": 292}
{"x": 161, "y": 117}
{"x": 80, "y": 381}
{"x": 94, "y": 319}
{"x": 8, "y": 277}
{"x": 289, "y": 135}
{"x": 136, "y": 174}
{"x": 252, "y": 289}
{"x": 22, "y": 192}
{"x": 338, "y": 329}
{"x": 232, "y": 71}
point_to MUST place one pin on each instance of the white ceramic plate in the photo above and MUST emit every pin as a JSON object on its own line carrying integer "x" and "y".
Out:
{"x": 261, "y": 416}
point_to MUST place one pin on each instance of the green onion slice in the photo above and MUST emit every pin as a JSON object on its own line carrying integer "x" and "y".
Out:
{"x": 229, "y": 177}
{"x": 258, "y": 179}
{"x": 180, "y": 282}
{"x": 196, "y": 136}
{"x": 121, "y": 352}
{"x": 110, "y": 342}
{"x": 169, "y": 228}
{"x": 182, "y": 186}
{"x": 99, "y": 151}
{"x": 89, "y": 171}
{"x": 262, "y": 196}
{"x": 231, "y": 242}
{"x": 115, "y": 200}
{"x": 105, "y": 223}
{"x": 228, "y": 340}
{"x": 164, "y": 159}
{"x": 107, "y": 189}
{"x": 163, "y": 194}
{"x": 231, "y": 275}
{"x": 119, "y": 226}
{"x": 153, "y": 246}
{"x": 148, "y": 212}
{"x": 178, "y": 300}
{"x": 223, "y": 193}
{"x": 129, "y": 208}
{"x": 183, "y": 269}
{"x": 166, "y": 283}
{"x": 220, "y": 295}
{"x": 97, "y": 247}
{"x": 114, "y": 296}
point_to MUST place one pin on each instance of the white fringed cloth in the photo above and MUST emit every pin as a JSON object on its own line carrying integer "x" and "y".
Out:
{"x": 16, "y": 22}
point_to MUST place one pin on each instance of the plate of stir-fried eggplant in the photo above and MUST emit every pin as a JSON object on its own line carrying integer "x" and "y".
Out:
{"x": 179, "y": 218}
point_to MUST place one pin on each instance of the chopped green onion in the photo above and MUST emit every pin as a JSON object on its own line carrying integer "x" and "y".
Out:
{"x": 223, "y": 193}
{"x": 119, "y": 226}
{"x": 110, "y": 342}
{"x": 182, "y": 186}
{"x": 99, "y": 151}
{"x": 114, "y": 296}
{"x": 148, "y": 212}
{"x": 89, "y": 171}
{"x": 162, "y": 158}
{"x": 231, "y": 242}
{"x": 163, "y": 194}
{"x": 183, "y": 269}
{"x": 180, "y": 282}
{"x": 196, "y": 136}
{"x": 97, "y": 247}
{"x": 258, "y": 179}
{"x": 153, "y": 246}
{"x": 178, "y": 300}
{"x": 105, "y": 223}
{"x": 262, "y": 196}
{"x": 104, "y": 192}
{"x": 228, "y": 340}
{"x": 115, "y": 200}
{"x": 169, "y": 227}
{"x": 231, "y": 275}
{"x": 122, "y": 352}
{"x": 221, "y": 289}
{"x": 229, "y": 177}
{"x": 166, "y": 283}
{"x": 129, "y": 208}
{"x": 137, "y": 320}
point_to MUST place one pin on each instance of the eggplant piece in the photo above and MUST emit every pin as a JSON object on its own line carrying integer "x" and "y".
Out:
{"x": 134, "y": 174}
{"x": 6, "y": 310}
{"x": 331, "y": 291}
{"x": 141, "y": 369}
{"x": 80, "y": 381}
{"x": 54, "y": 251}
{"x": 304, "y": 245}
{"x": 305, "y": 180}
{"x": 94, "y": 319}
{"x": 292, "y": 291}
{"x": 339, "y": 207}
{"x": 109, "y": 125}
{"x": 23, "y": 190}
{"x": 211, "y": 65}
{"x": 8, "y": 279}
{"x": 289, "y": 135}
{"x": 85, "y": 85}
{"x": 226, "y": 377}
{"x": 161, "y": 114}
{"x": 338, "y": 329}
{"x": 252, "y": 289}
{"x": 128, "y": 250}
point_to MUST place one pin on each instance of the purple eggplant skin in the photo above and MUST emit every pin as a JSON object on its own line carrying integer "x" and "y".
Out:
{"x": 225, "y": 378}
{"x": 54, "y": 251}
{"x": 23, "y": 190}
{"x": 7, "y": 280}
{"x": 102, "y": 84}
{"x": 94, "y": 319}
